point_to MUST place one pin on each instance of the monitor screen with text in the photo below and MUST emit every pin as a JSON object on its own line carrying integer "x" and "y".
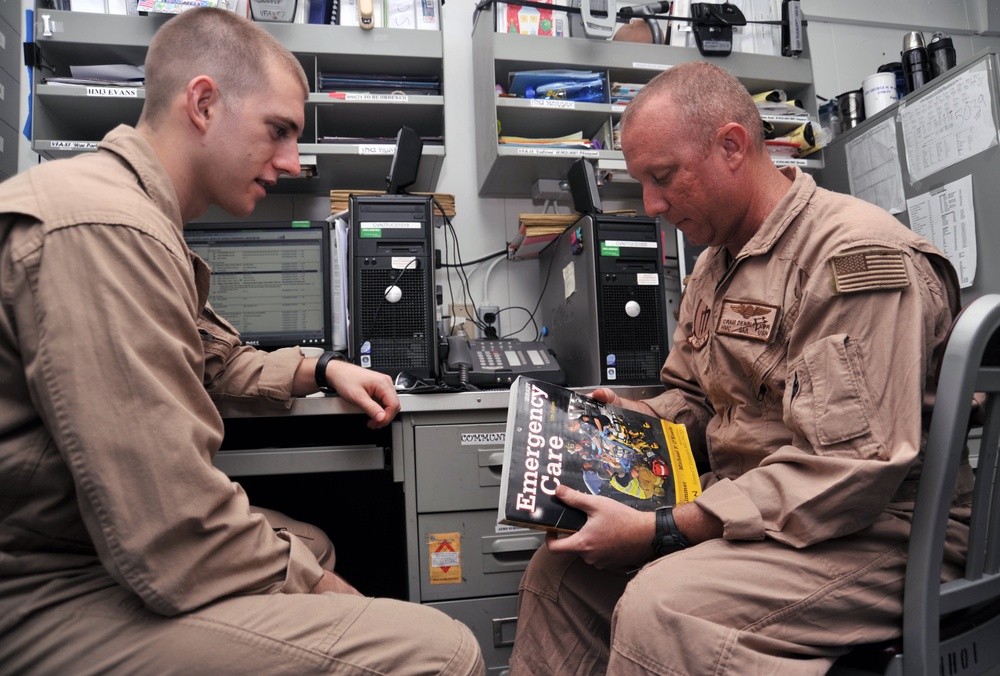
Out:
{"x": 269, "y": 280}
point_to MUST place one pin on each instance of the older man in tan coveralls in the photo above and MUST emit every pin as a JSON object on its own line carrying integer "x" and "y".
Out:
{"x": 122, "y": 550}
{"x": 809, "y": 334}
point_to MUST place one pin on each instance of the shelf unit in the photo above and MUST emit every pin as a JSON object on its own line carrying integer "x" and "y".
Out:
{"x": 68, "y": 119}
{"x": 509, "y": 171}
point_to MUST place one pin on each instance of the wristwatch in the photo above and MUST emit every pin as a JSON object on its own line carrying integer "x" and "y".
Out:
{"x": 668, "y": 538}
{"x": 321, "y": 382}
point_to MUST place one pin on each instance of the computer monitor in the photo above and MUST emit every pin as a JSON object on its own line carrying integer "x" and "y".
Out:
{"x": 269, "y": 280}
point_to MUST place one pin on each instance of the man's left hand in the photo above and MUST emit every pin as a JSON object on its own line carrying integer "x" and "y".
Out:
{"x": 615, "y": 537}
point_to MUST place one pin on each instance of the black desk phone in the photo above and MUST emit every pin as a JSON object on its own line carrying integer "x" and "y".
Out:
{"x": 495, "y": 362}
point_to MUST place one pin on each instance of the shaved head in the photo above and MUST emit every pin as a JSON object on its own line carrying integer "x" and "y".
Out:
{"x": 704, "y": 98}
{"x": 236, "y": 53}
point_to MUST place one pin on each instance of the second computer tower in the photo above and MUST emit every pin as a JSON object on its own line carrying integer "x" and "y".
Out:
{"x": 392, "y": 284}
{"x": 603, "y": 303}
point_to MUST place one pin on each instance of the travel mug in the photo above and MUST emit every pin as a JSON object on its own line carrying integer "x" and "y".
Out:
{"x": 896, "y": 68}
{"x": 852, "y": 109}
{"x": 941, "y": 51}
{"x": 916, "y": 61}
{"x": 879, "y": 92}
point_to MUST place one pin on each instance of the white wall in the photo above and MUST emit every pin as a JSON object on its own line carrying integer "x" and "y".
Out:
{"x": 849, "y": 39}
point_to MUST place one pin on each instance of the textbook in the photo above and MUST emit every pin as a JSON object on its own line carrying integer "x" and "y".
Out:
{"x": 558, "y": 436}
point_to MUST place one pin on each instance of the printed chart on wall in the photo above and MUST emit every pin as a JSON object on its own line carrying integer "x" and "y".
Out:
{"x": 946, "y": 218}
{"x": 949, "y": 125}
{"x": 873, "y": 167}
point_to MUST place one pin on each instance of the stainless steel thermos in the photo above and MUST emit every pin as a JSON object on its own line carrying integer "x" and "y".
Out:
{"x": 916, "y": 61}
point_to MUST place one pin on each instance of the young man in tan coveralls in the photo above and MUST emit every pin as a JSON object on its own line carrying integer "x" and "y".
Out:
{"x": 809, "y": 333}
{"x": 122, "y": 550}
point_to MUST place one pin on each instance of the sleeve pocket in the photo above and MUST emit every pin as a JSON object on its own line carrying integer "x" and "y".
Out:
{"x": 828, "y": 406}
{"x": 219, "y": 337}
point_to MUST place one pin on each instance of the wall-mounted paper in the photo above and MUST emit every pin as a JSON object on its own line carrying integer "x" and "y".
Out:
{"x": 952, "y": 123}
{"x": 873, "y": 167}
{"x": 946, "y": 218}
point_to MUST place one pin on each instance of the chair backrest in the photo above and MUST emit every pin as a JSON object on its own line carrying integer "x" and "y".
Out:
{"x": 971, "y": 364}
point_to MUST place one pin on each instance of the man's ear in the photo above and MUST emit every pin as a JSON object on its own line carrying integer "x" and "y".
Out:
{"x": 201, "y": 101}
{"x": 733, "y": 140}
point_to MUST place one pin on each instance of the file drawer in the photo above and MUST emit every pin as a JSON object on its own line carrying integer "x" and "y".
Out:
{"x": 493, "y": 622}
{"x": 10, "y": 11}
{"x": 458, "y": 466}
{"x": 8, "y": 149}
{"x": 492, "y": 564}
{"x": 10, "y": 49}
{"x": 10, "y": 104}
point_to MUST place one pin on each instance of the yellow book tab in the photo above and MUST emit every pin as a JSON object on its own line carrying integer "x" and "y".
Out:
{"x": 686, "y": 482}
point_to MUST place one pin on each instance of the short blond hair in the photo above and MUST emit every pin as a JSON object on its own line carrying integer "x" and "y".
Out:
{"x": 236, "y": 53}
{"x": 704, "y": 97}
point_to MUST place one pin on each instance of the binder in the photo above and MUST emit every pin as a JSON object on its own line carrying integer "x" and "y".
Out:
{"x": 319, "y": 11}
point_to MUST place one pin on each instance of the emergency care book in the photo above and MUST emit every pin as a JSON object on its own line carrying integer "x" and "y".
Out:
{"x": 558, "y": 436}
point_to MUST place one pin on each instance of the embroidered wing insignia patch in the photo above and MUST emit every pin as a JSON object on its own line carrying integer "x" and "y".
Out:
{"x": 748, "y": 311}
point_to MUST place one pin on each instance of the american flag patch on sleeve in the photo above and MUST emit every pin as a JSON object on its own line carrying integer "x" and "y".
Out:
{"x": 869, "y": 270}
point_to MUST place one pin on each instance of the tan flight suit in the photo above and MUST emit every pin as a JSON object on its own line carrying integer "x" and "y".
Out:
{"x": 122, "y": 549}
{"x": 800, "y": 370}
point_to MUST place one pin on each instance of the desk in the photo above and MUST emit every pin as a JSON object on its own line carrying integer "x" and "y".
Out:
{"x": 440, "y": 461}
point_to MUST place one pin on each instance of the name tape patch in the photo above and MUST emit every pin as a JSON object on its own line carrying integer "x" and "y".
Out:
{"x": 747, "y": 319}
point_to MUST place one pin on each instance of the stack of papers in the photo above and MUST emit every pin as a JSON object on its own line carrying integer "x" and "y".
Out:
{"x": 574, "y": 140}
{"x": 339, "y": 200}
{"x": 536, "y": 231}
{"x": 118, "y": 75}
{"x": 378, "y": 140}
{"x": 379, "y": 83}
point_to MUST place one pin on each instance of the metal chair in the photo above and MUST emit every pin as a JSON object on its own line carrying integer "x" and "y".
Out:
{"x": 953, "y": 629}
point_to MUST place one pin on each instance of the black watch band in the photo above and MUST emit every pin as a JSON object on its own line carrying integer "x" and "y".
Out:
{"x": 668, "y": 538}
{"x": 321, "y": 382}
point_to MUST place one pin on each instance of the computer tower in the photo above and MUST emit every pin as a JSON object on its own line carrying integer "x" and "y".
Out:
{"x": 603, "y": 303}
{"x": 391, "y": 306}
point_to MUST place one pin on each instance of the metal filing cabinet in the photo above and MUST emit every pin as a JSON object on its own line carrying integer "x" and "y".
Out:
{"x": 10, "y": 87}
{"x": 453, "y": 460}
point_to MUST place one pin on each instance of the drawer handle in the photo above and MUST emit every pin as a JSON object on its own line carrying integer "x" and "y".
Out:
{"x": 491, "y": 459}
{"x": 506, "y": 545}
{"x": 498, "y": 626}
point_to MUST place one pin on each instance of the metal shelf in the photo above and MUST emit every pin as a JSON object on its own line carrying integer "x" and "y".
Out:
{"x": 508, "y": 172}
{"x": 68, "y": 119}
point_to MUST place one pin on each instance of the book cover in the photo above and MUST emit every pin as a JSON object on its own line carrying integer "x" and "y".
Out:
{"x": 558, "y": 436}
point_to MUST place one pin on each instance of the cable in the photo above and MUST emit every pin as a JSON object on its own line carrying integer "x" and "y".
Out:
{"x": 463, "y": 278}
{"x": 531, "y": 318}
{"x": 385, "y": 294}
{"x": 481, "y": 259}
{"x": 531, "y": 315}
{"x": 486, "y": 279}
{"x": 622, "y": 16}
